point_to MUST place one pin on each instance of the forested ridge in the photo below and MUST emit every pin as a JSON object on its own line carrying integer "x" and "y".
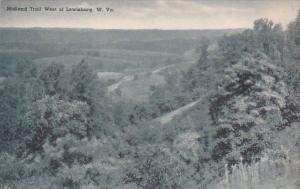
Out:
{"x": 228, "y": 120}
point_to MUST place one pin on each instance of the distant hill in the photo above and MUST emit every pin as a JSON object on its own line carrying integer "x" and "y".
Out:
{"x": 149, "y": 40}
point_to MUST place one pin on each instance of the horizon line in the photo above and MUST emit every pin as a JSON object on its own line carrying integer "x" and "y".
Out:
{"x": 87, "y": 28}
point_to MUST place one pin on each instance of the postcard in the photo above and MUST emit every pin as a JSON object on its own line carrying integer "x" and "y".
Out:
{"x": 149, "y": 94}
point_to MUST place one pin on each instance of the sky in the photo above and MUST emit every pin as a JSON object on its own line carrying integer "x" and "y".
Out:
{"x": 148, "y": 14}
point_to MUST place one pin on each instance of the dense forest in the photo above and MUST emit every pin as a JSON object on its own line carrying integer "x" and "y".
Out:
{"x": 224, "y": 115}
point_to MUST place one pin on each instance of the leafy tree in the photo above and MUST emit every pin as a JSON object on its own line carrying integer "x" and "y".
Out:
{"x": 82, "y": 81}
{"x": 203, "y": 51}
{"x": 85, "y": 87}
{"x": 51, "y": 118}
{"x": 156, "y": 167}
{"x": 52, "y": 79}
{"x": 265, "y": 36}
{"x": 269, "y": 37}
{"x": 16, "y": 96}
{"x": 293, "y": 36}
{"x": 292, "y": 76}
{"x": 247, "y": 108}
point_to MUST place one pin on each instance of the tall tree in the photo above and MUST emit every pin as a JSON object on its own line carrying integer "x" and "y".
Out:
{"x": 293, "y": 35}
{"x": 52, "y": 78}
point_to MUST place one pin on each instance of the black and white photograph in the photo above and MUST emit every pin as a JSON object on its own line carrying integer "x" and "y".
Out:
{"x": 149, "y": 94}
